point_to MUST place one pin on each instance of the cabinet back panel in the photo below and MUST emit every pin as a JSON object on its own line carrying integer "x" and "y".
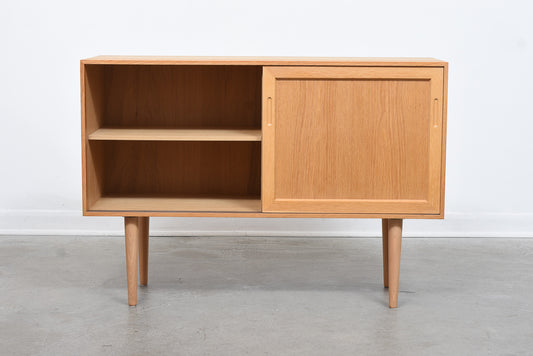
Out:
{"x": 182, "y": 168}
{"x": 352, "y": 139}
{"x": 183, "y": 96}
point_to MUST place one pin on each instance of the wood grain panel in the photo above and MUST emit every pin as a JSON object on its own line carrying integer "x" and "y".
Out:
{"x": 444, "y": 134}
{"x": 183, "y": 96}
{"x": 181, "y": 168}
{"x": 363, "y": 140}
{"x": 92, "y": 108}
{"x": 352, "y": 139}
{"x": 138, "y": 203}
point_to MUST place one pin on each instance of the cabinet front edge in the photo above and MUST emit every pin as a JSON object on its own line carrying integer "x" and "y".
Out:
{"x": 260, "y": 215}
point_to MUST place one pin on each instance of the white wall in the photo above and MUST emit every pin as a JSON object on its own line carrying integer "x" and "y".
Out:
{"x": 489, "y": 45}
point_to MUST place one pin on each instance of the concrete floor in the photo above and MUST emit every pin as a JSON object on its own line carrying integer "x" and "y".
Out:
{"x": 266, "y": 296}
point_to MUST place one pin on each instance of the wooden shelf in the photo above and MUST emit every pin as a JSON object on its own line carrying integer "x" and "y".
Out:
{"x": 144, "y": 134}
{"x": 172, "y": 204}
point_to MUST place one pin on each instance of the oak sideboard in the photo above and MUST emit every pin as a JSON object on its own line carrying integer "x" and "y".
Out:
{"x": 272, "y": 137}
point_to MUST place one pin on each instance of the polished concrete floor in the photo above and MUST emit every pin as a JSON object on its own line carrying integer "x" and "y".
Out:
{"x": 266, "y": 296}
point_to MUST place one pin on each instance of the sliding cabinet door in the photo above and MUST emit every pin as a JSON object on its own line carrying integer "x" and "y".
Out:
{"x": 352, "y": 139}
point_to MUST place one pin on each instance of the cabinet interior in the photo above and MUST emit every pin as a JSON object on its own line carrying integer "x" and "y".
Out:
{"x": 173, "y": 137}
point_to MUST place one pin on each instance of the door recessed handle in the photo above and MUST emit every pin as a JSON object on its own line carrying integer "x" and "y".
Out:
{"x": 435, "y": 112}
{"x": 269, "y": 111}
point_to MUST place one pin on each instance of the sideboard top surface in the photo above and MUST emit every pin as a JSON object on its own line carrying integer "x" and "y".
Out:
{"x": 264, "y": 61}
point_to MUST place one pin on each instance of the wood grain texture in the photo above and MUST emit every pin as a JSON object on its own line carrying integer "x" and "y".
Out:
{"x": 371, "y": 72}
{"x": 394, "y": 254}
{"x": 145, "y": 134}
{"x": 95, "y": 159}
{"x": 152, "y": 204}
{"x": 131, "y": 227}
{"x": 183, "y": 96}
{"x": 444, "y": 133}
{"x": 180, "y": 168}
{"x": 170, "y": 103}
{"x": 144, "y": 237}
{"x": 363, "y": 139}
{"x": 333, "y": 138}
{"x": 256, "y": 214}
{"x": 111, "y": 86}
{"x": 92, "y": 114}
{"x": 260, "y": 61}
{"x": 385, "y": 240}
{"x": 360, "y": 145}
{"x": 83, "y": 101}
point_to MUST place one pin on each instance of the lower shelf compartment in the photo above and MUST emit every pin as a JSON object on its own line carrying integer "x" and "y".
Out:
{"x": 171, "y": 204}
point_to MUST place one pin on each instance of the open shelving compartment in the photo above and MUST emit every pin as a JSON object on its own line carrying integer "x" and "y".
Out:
{"x": 171, "y": 138}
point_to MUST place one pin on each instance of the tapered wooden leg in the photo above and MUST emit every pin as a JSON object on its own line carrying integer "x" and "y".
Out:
{"x": 131, "y": 226}
{"x": 144, "y": 224}
{"x": 385, "y": 237}
{"x": 394, "y": 252}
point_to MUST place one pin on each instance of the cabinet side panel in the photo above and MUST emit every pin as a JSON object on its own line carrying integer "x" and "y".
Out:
{"x": 83, "y": 139}
{"x": 444, "y": 134}
{"x": 93, "y": 106}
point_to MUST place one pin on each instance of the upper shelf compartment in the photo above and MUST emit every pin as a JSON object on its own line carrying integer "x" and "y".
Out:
{"x": 172, "y": 97}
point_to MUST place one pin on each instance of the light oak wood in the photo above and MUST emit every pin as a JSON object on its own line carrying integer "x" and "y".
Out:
{"x": 84, "y": 160}
{"x": 444, "y": 133}
{"x": 297, "y": 61}
{"x": 109, "y": 75}
{"x": 132, "y": 233}
{"x": 144, "y": 232}
{"x": 92, "y": 110}
{"x": 320, "y": 134}
{"x": 166, "y": 168}
{"x": 263, "y": 137}
{"x": 179, "y": 104}
{"x": 153, "y": 204}
{"x": 178, "y": 97}
{"x": 394, "y": 252}
{"x": 385, "y": 238}
{"x": 229, "y": 214}
{"x": 140, "y": 134}
{"x": 372, "y": 73}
